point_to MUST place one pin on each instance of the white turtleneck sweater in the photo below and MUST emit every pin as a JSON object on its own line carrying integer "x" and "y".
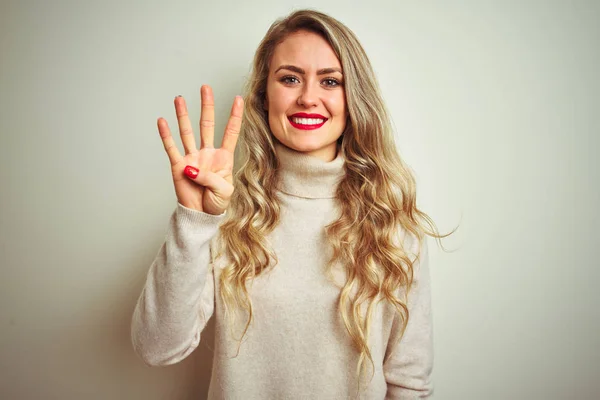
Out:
{"x": 297, "y": 346}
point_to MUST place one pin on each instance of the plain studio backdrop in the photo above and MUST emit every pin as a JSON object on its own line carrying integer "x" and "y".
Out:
{"x": 495, "y": 107}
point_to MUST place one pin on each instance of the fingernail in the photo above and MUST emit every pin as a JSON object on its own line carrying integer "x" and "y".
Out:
{"x": 191, "y": 172}
{"x": 178, "y": 96}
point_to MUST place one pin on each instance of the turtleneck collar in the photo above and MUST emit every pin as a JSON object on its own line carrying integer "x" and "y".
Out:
{"x": 303, "y": 175}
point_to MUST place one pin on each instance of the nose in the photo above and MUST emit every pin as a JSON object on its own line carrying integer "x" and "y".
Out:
{"x": 308, "y": 96}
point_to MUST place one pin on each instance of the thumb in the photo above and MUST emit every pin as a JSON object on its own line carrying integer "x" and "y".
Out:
{"x": 217, "y": 184}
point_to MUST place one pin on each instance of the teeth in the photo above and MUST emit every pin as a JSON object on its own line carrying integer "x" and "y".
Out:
{"x": 308, "y": 121}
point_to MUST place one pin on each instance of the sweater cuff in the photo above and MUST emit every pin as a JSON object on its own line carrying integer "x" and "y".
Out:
{"x": 189, "y": 217}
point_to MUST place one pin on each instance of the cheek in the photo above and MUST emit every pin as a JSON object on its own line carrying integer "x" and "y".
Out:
{"x": 337, "y": 104}
{"x": 281, "y": 99}
{"x": 276, "y": 107}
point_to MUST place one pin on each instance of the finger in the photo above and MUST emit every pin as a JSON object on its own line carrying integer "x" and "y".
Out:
{"x": 168, "y": 142}
{"x": 207, "y": 118}
{"x": 232, "y": 130}
{"x": 185, "y": 127}
{"x": 217, "y": 184}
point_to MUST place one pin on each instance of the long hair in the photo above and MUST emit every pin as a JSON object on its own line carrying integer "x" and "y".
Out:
{"x": 377, "y": 195}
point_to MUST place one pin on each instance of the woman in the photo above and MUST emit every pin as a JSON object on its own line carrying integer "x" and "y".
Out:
{"x": 317, "y": 262}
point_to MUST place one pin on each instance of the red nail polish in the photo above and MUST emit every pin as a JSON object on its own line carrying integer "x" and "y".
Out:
{"x": 191, "y": 171}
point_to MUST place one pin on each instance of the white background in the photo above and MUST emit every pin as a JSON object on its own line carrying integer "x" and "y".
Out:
{"x": 495, "y": 106}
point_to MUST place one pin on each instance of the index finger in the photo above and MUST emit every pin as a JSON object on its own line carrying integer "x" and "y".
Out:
{"x": 232, "y": 130}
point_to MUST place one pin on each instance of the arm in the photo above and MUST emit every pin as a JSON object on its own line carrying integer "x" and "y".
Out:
{"x": 178, "y": 298}
{"x": 408, "y": 370}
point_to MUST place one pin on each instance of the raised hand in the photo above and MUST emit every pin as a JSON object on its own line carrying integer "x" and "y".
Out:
{"x": 208, "y": 185}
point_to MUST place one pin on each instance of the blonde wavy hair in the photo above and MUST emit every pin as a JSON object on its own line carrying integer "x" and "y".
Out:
{"x": 376, "y": 197}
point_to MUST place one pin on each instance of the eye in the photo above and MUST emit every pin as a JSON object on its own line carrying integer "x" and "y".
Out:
{"x": 289, "y": 79}
{"x": 331, "y": 82}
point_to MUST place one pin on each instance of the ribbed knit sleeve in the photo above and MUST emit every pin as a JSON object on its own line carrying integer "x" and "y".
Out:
{"x": 408, "y": 371}
{"x": 178, "y": 297}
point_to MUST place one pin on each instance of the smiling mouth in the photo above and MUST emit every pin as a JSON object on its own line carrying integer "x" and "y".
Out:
{"x": 307, "y": 123}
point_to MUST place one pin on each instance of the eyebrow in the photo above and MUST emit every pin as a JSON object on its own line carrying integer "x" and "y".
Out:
{"x": 323, "y": 71}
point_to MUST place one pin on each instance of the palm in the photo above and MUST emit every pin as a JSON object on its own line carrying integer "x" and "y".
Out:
{"x": 212, "y": 189}
{"x": 219, "y": 161}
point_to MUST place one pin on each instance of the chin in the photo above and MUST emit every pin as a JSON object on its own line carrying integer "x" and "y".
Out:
{"x": 305, "y": 142}
{"x": 306, "y": 145}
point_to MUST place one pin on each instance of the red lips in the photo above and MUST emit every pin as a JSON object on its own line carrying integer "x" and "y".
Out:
{"x": 305, "y": 115}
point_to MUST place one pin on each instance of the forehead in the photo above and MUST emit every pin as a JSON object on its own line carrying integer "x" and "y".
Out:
{"x": 306, "y": 50}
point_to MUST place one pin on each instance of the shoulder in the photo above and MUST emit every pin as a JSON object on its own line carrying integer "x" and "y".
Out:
{"x": 410, "y": 243}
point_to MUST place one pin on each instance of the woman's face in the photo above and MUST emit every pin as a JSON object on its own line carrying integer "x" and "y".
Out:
{"x": 306, "y": 101}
